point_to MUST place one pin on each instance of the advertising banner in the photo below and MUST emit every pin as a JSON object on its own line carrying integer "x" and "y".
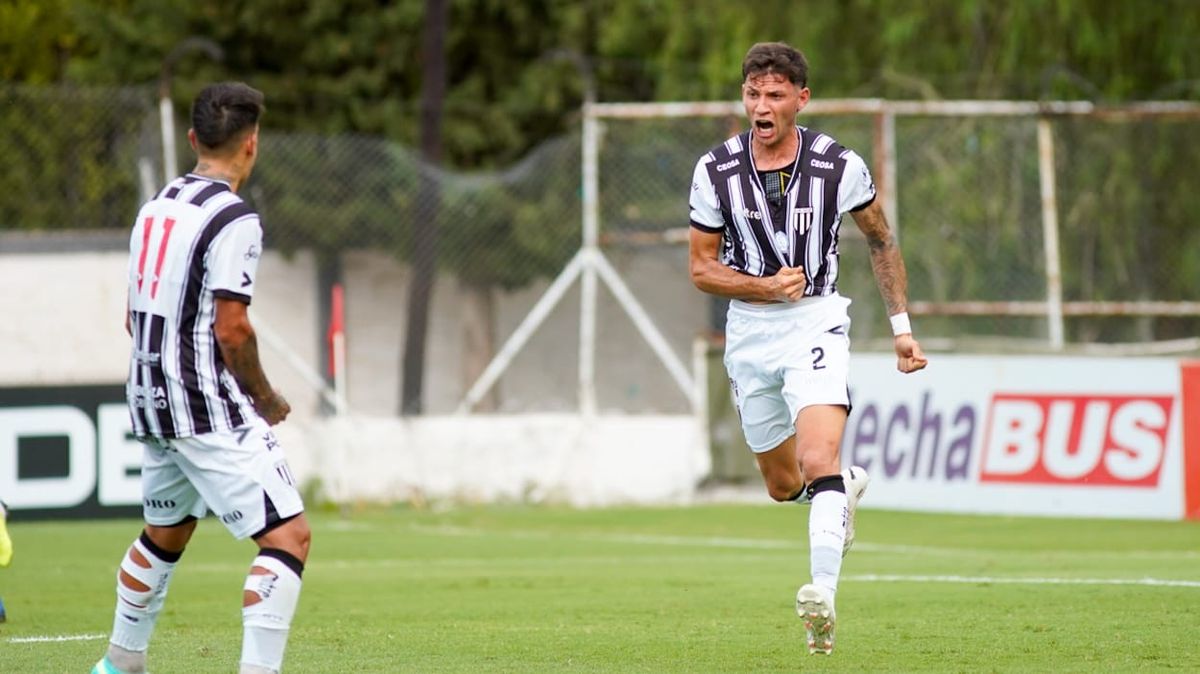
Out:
{"x": 66, "y": 451}
{"x": 1017, "y": 435}
{"x": 1032, "y": 435}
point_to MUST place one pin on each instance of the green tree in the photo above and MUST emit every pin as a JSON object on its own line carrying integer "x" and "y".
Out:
{"x": 348, "y": 67}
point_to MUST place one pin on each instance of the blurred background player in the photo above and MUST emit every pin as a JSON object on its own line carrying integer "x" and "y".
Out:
{"x": 766, "y": 206}
{"x": 198, "y": 398}
{"x": 6, "y": 551}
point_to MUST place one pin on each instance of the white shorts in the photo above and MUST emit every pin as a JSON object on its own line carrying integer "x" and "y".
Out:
{"x": 242, "y": 476}
{"x": 782, "y": 358}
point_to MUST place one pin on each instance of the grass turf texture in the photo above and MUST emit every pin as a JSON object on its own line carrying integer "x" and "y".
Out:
{"x": 698, "y": 589}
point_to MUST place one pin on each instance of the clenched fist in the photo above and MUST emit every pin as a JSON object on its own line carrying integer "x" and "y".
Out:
{"x": 909, "y": 357}
{"x": 273, "y": 408}
{"x": 788, "y": 284}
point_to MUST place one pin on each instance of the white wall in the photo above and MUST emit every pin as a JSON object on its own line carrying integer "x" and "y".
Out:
{"x": 67, "y": 328}
{"x": 560, "y": 458}
{"x": 69, "y": 310}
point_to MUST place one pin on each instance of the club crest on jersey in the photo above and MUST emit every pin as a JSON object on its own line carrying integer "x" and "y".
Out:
{"x": 803, "y": 219}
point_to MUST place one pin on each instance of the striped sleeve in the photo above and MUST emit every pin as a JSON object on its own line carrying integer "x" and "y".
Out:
{"x": 233, "y": 259}
{"x": 857, "y": 189}
{"x": 705, "y": 208}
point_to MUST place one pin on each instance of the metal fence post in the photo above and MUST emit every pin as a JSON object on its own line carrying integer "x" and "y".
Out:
{"x": 591, "y": 247}
{"x": 1054, "y": 300}
{"x": 885, "y": 166}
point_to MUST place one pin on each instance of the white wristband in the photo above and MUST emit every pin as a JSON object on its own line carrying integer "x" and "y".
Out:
{"x": 901, "y": 324}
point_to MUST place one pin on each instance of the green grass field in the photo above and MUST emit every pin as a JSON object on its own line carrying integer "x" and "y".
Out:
{"x": 697, "y": 589}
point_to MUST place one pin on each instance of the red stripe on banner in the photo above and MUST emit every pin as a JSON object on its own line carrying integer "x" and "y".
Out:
{"x": 1190, "y": 374}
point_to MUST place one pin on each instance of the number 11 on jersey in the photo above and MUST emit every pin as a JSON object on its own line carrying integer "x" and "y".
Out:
{"x": 147, "y": 229}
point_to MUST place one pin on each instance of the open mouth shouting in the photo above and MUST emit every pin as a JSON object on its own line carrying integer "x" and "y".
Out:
{"x": 764, "y": 129}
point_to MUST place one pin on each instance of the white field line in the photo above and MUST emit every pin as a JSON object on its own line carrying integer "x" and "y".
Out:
{"x": 1012, "y": 580}
{"x": 57, "y": 638}
{"x": 751, "y": 544}
{"x": 778, "y": 544}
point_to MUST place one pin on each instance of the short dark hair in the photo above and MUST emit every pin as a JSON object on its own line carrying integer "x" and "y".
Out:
{"x": 222, "y": 112}
{"x": 778, "y": 58}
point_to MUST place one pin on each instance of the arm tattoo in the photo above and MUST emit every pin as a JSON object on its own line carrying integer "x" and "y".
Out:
{"x": 243, "y": 361}
{"x": 890, "y": 275}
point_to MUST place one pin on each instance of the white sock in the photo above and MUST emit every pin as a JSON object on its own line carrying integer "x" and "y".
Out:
{"x": 268, "y": 618}
{"x": 129, "y": 662}
{"x": 138, "y": 608}
{"x": 826, "y": 533}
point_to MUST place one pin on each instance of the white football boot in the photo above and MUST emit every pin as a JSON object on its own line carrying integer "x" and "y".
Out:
{"x": 814, "y": 605}
{"x": 856, "y": 480}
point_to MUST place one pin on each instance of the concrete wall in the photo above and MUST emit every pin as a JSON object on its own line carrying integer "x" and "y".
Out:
{"x": 66, "y": 306}
{"x": 67, "y": 311}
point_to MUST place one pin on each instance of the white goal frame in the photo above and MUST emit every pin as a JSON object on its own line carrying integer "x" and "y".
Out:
{"x": 590, "y": 263}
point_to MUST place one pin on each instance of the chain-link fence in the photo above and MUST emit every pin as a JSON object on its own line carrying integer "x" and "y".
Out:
{"x": 967, "y": 193}
{"x": 968, "y": 198}
{"x": 72, "y": 156}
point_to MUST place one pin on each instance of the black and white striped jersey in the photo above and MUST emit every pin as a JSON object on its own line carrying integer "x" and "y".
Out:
{"x": 195, "y": 241}
{"x": 826, "y": 181}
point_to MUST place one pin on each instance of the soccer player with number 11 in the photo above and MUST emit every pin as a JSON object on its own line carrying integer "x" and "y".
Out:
{"x": 198, "y": 398}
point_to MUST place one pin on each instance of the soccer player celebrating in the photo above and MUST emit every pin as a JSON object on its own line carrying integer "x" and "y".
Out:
{"x": 766, "y": 207}
{"x": 199, "y": 400}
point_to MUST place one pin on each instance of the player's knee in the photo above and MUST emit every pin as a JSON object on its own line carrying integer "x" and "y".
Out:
{"x": 820, "y": 460}
{"x": 304, "y": 543}
{"x": 173, "y": 538}
{"x": 294, "y": 536}
{"x": 302, "y": 537}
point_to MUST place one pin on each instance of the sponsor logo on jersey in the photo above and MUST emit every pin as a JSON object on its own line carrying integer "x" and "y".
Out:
{"x": 749, "y": 214}
{"x": 821, "y": 164}
{"x": 148, "y": 397}
{"x": 1108, "y": 440}
{"x": 146, "y": 357}
{"x": 728, "y": 165}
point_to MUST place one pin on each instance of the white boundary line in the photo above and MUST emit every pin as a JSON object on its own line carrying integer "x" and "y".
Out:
{"x": 56, "y": 639}
{"x": 779, "y": 544}
{"x": 529, "y": 562}
{"x": 764, "y": 544}
{"x": 1016, "y": 580}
